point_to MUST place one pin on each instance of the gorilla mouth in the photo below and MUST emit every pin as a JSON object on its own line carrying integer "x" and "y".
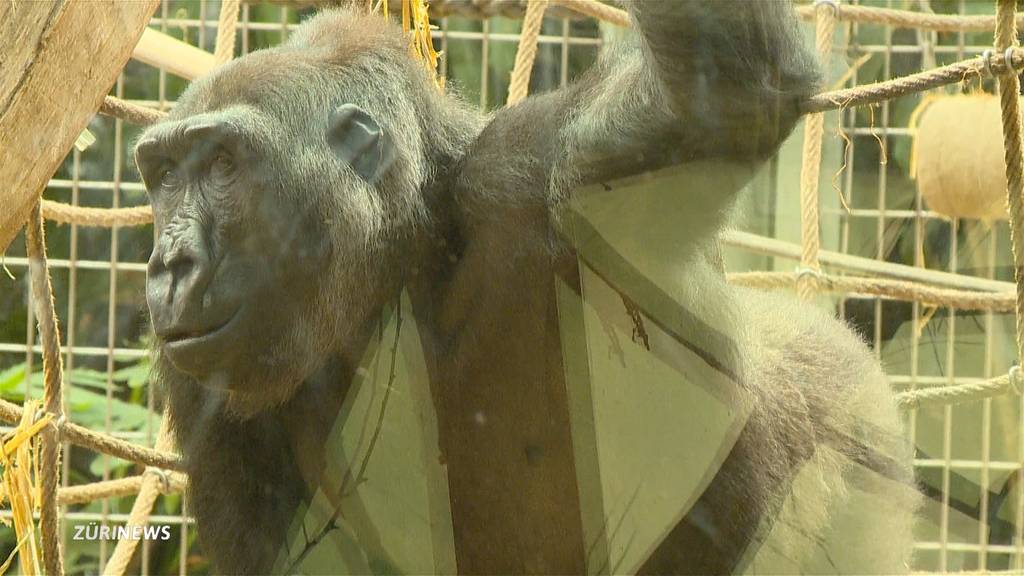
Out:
{"x": 179, "y": 338}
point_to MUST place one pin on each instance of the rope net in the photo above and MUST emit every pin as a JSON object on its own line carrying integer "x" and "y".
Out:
{"x": 162, "y": 462}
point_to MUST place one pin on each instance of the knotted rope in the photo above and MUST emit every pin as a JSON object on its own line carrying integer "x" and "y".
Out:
{"x": 810, "y": 171}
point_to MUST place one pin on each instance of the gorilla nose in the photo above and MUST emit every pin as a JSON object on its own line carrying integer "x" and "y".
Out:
{"x": 181, "y": 262}
{"x": 177, "y": 275}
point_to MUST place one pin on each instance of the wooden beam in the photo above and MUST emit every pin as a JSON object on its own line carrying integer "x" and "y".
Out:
{"x": 60, "y": 59}
{"x": 172, "y": 55}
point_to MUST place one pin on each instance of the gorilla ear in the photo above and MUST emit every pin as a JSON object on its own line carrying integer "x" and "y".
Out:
{"x": 358, "y": 140}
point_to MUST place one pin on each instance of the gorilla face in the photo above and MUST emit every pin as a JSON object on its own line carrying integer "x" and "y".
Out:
{"x": 250, "y": 253}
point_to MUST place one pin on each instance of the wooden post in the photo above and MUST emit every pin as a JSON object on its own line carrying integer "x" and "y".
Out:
{"x": 60, "y": 60}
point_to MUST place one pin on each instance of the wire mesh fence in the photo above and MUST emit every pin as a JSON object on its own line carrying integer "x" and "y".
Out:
{"x": 968, "y": 457}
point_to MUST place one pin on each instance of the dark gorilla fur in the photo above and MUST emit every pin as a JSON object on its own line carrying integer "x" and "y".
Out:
{"x": 274, "y": 257}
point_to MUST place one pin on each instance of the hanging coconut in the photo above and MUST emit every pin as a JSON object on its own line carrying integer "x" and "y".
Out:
{"x": 958, "y": 156}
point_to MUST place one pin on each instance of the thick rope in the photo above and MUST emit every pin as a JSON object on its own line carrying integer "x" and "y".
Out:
{"x": 526, "y": 54}
{"x": 1009, "y": 91}
{"x": 597, "y": 10}
{"x": 225, "y": 48}
{"x": 908, "y": 19}
{"x": 814, "y": 128}
{"x": 99, "y": 217}
{"x": 895, "y": 289}
{"x": 118, "y": 488}
{"x": 972, "y": 68}
{"x": 152, "y": 486}
{"x": 131, "y": 113}
{"x": 49, "y": 336}
{"x": 960, "y": 393}
{"x": 86, "y": 438}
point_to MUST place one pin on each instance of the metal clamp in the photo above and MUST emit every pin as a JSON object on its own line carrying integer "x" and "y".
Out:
{"x": 802, "y": 271}
{"x": 1015, "y": 380}
{"x": 161, "y": 474}
{"x": 833, "y": 3}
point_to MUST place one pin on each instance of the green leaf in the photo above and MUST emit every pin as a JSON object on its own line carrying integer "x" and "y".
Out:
{"x": 12, "y": 376}
{"x": 86, "y": 406}
{"x": 136, "y": 375}
{"x": 116, "y": 466}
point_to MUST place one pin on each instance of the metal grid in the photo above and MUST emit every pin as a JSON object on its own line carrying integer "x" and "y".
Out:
{"x": 105, "y": 340}
{"x": 971, "y": 446}
{"x": 110, "y": 336}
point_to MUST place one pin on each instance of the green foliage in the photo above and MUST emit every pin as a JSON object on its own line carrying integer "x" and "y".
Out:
{"x": 91, "y": 396}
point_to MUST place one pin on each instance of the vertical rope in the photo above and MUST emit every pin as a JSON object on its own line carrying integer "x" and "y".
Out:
{"x": 49, "y": 336}
{"x": 1009, "y": 98}
{"x": 225, "y": 49}
{"x": 527, "y": 52}
{"x": 142, "y": 507}
{"x": 814, "y": 127}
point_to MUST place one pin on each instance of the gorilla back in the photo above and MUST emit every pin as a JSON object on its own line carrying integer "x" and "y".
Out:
{"x": 299, "y": 190}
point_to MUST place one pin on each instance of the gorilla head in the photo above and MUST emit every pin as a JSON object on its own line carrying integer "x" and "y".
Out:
{"x": 286, "y": 189}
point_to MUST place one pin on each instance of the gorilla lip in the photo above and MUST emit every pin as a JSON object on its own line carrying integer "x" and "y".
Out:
{"x": 179, "y": 338}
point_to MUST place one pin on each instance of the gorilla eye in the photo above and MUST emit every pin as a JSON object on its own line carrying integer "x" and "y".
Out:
{"x": 167, "y": 176}
{"x": 222, "y": 163}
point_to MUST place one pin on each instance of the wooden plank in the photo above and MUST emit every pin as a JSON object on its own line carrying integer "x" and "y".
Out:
{"x": 176, "y": 57}
{"x": 60, "y": 59}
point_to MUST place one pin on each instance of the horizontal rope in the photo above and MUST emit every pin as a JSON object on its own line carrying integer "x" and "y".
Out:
{"x": 909, "y": 19}
{"x": 81, "y": 436}
{"x": 99, "y": 217}
{"x": 114, "y": 489}
{"x": 895, "y": 289}
{"x": 911, "y": 84}
{"x": 132, "y": 113}
{"x": 957, "y": 394}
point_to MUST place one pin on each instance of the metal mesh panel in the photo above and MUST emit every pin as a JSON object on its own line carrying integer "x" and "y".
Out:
{"x": 970, "y": 456}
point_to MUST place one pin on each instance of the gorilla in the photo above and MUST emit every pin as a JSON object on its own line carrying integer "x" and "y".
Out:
{"x": 298, "y": 190}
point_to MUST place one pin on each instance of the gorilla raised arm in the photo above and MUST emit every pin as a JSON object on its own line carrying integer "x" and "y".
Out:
{"x": 298, "y": 189}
